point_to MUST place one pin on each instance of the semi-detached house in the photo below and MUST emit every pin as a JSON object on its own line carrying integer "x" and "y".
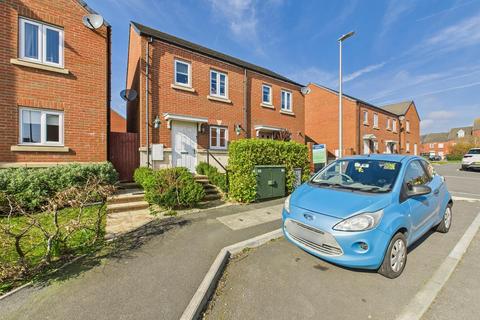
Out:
{"x": 192, "y": 101}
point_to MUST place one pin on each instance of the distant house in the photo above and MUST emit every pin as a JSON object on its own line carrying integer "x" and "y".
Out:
{"x": 118, "y": 123}
{"x": 367, "y": 128}
{"x": 55, "y": 75}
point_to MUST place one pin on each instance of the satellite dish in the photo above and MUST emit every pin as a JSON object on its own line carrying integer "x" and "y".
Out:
{"x": 305, "y": 90}
{"x": 128, "y": 94}
{"x": 93, "y": 21}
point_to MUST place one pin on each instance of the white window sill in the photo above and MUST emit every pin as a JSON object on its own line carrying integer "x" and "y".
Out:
{"x": 288, "y": 113}
{"x": 40, "y": 66}
{"x": 266, "y": 105}
{"x": 219, "y": 99}
{"x": 180, "y": 87}
{"x": 32, "y": 148}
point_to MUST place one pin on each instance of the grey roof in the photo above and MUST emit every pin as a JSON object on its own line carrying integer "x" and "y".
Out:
{"x": 90, "y": 10}
{"x": 476, "y": 124}
{"x": 147, "y": 31}
{"x": 399, "y": 108}
{"x": 452, "y": 135}
{"x": 434, "y": 137}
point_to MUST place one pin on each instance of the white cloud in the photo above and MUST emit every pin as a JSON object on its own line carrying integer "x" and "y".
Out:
{"x": 314, "y": 74}
{"x": 394, "y": 11}
{"x": 445, "y": 10}
{"x": 441, "y": 115}
{"x": 240, "y": 15}
{"x": 362, "y": 71}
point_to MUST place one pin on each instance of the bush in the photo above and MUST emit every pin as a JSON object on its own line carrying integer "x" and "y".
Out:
{"x": 216, "y": 178}
{"x": 170, "y": 188}
{"x": 457, "y": 151}
{"x": 141, "y": 174}
{"x": 32, "y": 187}
{"x": 245, "y": 154}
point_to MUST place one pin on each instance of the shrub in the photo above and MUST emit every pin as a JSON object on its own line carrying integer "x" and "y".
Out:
{"x": 171, "y": 188}
{"x": 141, "y": 174}
{"x": 457, "y": 151}
{"x": 32, "y": 187}
{"x": 245, "y": 154}
{"x": 214, "y": 176}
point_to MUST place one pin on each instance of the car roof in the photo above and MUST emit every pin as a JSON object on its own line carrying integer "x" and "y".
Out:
{"x": 384, "y": 157}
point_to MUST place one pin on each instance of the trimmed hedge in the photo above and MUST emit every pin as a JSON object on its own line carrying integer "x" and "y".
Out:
{"x": 32, "y": 187}
{"x": 216, "y": 178}
{"x": 169, "y": 188}
{"x": 245, "y": 154}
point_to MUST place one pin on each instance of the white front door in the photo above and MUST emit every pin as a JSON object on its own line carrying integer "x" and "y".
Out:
{"x": 184, "y": 145}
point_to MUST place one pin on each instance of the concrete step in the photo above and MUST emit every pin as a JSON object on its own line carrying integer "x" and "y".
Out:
{"x": 129, "y": 191}
{"x": 211, "y": 191}
{"x": 129, "y": 206}
{"x": 200, "y": 176}
{"x": 212, "y": 196}
{"x": 129, "y": 185}
{"x": 125, "y": 198}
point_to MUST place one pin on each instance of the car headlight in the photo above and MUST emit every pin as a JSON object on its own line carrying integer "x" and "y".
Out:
{"x": 287, "y": 204}
{"x": 361, "y": 222}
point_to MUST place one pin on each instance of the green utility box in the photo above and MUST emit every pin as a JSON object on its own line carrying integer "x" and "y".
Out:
{"x": 270, "y": 181}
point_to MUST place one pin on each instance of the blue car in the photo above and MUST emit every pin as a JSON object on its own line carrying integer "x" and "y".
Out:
{"x": 365, "y": 211}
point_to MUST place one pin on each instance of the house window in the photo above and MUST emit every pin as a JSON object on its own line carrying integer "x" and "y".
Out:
{"x": 375, "y": 120}
{"x": 218, "y": 84}
{"x": 42, "y": 127}
{"x": 365, "y": 117}
{"x": 286, "y": 101}
{"x": 388, "y": 123}
{"x": 440, "y": 145}
{"x": 460, "y": 133}
{"x": 394, "y": 125}
{"x": 41, "y": 43}
{"x": 218, "y": 137}
{"x": 266, "y": 94}
{"x": 432, "y": 145}
{"x": 407, "y": 126}
{"x": 407, "y": 147}
{"x": 183, "y": 75}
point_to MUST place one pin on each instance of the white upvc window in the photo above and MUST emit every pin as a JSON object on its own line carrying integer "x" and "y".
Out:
{"x": 407, "y": 126}
{"x": 183, "y": 73}
{"x": 41, "y": 43}
{"x": 407, "y": 147}
{"x": 394, "y": 125}
{"x": 267, "y": 94}
{"x": 388, "y": 123}
{"x": 218, "y": 137}
{"x": 218, "y": 84}
{"x": 286, "y": 101}
{"x": 375, "y": 120}
{"x": 365, "y": 117}
{"x": 440, "y": 145}
{"x": 41, "y": 127}
{"x": 432, "y": 145}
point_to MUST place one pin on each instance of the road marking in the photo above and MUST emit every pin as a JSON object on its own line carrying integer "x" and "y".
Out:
{"x": 459, "y": 177}
{"x": 424, "y": 298}
{"x": 252, "y": 218}
{"x": 467, "y": 193}
{"x": 455, "y": 198}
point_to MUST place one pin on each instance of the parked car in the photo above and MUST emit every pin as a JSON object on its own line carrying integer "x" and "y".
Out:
{"x": 365, "y": 211}
{"x": 434, "y": 157}
{"x": 471, "y": 160}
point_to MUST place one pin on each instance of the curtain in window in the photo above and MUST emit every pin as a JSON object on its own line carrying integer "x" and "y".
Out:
{"x": 31, "y": 40}
{"x": 31, "y": 126}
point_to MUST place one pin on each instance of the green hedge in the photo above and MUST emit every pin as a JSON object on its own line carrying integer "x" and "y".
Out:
{"x": 214, "y": 176}
{"x": 245, "y": 154}
{"x": 169, "y": 188}
{"x": 32, "y": 187}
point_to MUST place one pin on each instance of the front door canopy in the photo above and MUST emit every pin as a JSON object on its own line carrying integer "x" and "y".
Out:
{"x": 185, "y": 118}
{"x": 264, "y": 128}
{"x": 369, "y": 136}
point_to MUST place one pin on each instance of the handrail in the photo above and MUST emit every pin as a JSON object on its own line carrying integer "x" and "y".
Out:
{"x": 221, "y": 165}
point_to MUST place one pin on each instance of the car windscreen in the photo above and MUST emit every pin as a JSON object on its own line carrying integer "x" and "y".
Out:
{"x": 474, "y": 151}
{"x": 359, "y": 174}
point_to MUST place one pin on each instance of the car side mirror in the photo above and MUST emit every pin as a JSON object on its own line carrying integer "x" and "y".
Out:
{"x": 419, "y": 190}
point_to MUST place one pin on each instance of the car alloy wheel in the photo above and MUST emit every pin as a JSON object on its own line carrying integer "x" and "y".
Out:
{"x": 397, "y": 255}
{"x": 447, "y": 218}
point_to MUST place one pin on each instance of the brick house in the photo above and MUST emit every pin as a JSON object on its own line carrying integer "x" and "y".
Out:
{"x": 200, "y": 99}
{"x": 440, "y": 143}
{"x": 49, "y": 63}
{"x": 118, "y": 123}
{"x": 366, "y": 128}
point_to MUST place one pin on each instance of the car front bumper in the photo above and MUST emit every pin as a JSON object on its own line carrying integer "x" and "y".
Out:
{"x": 363, "y": 250}
{"x": 471, "y": 165}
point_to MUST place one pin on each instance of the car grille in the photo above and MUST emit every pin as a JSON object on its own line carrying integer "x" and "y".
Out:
{"x": 317, "y": 240}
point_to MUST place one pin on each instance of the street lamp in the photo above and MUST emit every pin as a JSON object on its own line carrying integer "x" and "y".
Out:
{"x": 340, "y": 107}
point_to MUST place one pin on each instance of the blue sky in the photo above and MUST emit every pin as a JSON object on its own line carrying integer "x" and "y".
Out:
{"x": 428, "y": 50}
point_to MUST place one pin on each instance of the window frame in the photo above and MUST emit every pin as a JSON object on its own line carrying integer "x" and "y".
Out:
{"x": 394, "y": 125}
{"x": 375, "y": 120}
{"x": 407, "y": 147}
{"x": 217, "y": 132}
{"x": 440, "y": 146}
{"x": 365, "y": 117}
{"x": 217, "y": 94}
{"x": 407, "y": 126}
{"x": 388, "y": 124}
{"x": 43, "y": 127}
{"x": 290, "y": 100}
{"x": 270, "y": 102}
{"x": 189, "y": 73}
{"x": 42, "y": 42}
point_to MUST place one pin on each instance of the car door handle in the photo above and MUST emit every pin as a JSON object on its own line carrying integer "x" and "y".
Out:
{"x": 436, "y": 191}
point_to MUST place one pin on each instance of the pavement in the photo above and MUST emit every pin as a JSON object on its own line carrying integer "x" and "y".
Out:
{"x": 151, "y": 274}
{"x": 280, "y": 281}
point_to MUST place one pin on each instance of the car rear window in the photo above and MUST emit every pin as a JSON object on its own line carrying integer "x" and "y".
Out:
{"x": 474, "y": 151}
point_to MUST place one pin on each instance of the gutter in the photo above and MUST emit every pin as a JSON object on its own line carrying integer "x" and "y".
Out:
{"x": 109, "y": 86}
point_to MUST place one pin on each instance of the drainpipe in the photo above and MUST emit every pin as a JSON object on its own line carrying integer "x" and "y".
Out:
{"x": 147, "y": 74}
{"x": 245, "y": 109}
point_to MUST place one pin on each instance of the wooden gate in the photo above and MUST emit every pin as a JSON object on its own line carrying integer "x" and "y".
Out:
{"x": 124, "y": 153}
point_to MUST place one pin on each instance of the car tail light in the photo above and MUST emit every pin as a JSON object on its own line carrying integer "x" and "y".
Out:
{"x": 467, "y": 156}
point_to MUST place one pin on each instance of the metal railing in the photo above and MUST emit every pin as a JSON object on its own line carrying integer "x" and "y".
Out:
{"x": 222, "y": 166}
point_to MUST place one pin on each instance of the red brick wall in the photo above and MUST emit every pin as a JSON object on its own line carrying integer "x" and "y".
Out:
{"x": 82, "y": 94}
{"x": 163, "y": 98}
{"x": 435, "y": 147}
{"x": 117, "y": 122}
{"x": 413, "y": 137}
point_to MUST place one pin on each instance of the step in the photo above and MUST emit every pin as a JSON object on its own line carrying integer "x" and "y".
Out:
{"x": 124, "y": 198}
{"x": 129, "y": 206}
{"x": 133, "y": 191}
{"x": 211, "y": 191}
{"x": 129, "y": 185}
{"x": 212, "y": 196}
{"x": 202, "y": 181}
{"x": 200, "y": 176}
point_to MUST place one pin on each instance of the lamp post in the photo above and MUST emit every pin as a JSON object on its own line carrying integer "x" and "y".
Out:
{"x": 340, "y": 107}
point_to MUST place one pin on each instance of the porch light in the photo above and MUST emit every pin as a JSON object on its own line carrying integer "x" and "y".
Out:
{"x": 156, "y": 122}
{"x": 238, "y": 129}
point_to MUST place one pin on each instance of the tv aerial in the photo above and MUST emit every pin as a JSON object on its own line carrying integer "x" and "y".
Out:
{"x": 92, "y": 21}
{"x": 128, "y": 94}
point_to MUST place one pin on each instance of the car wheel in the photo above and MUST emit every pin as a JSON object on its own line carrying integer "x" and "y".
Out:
{"x": 444, "y": 226}
{"x": 395, "y": 258}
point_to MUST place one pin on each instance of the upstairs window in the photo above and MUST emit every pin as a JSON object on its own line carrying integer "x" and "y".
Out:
{"x": 407, "y": 126}
{"x": 375, "y": 120}
{"x": 218, "y": 84}
{"x": 218, "y": 137}
{"x": 286, "y": 101}
{"x": 183, "y": 75}
{"x": 266, "y": 94}
{"x": 365, "y": 117}
{"x": 40, "y": 43}
{"x": 41, "y": 127}
{"x": 431, "y": 145}
{"x": 460, "y": 133}
{"x": 388, "y": 123}
{"x": 394, "y": 125}
{"x": 440, "y": 145}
